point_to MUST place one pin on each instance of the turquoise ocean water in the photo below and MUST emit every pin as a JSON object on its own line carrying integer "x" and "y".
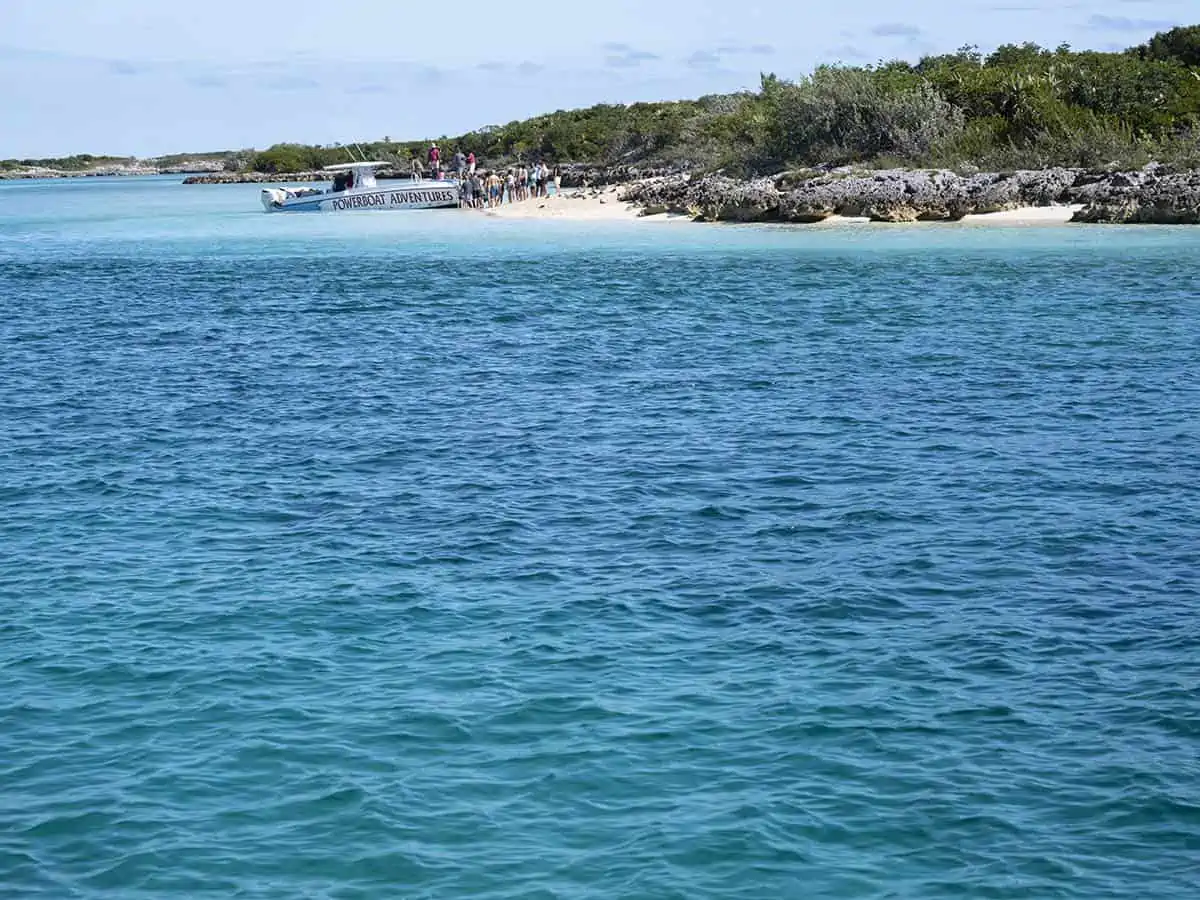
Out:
{"x": 429, "y": 555}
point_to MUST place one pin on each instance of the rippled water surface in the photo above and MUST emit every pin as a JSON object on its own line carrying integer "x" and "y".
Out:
{"x": 428, "y": 555}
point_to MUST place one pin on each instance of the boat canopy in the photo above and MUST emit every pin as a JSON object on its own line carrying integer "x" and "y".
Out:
{"x": 346, "y": 167}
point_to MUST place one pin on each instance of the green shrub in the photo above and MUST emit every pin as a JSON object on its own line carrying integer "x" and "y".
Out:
{"x": 282, "y": 158}
{"x": 843, "y": 115}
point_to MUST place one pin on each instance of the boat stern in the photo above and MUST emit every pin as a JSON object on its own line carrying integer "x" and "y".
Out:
{"x": 272, "y": 199}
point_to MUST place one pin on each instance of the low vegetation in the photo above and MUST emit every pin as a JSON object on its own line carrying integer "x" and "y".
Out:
{"x": 81, "y": 162}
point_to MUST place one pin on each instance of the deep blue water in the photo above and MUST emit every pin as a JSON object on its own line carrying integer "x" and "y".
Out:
{"x": 429, "y": 555}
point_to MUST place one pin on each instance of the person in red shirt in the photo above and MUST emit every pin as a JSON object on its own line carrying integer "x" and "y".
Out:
{"x": 435, "y": 160}
{"x": 471, "y": 162}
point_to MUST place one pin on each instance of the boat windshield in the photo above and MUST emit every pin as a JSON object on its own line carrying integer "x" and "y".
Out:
{"x": 354, "y": 178}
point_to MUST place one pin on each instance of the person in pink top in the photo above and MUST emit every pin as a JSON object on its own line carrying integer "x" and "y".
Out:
{"x": 435, "y": 160}
{"x": 471, "y": 162}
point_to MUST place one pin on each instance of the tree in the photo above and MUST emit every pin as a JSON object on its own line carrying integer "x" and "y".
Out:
{"x": 1011, "y": 56}
{"x": 1179, "y": 45}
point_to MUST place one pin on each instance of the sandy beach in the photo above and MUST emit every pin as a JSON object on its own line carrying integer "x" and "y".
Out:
{"x": 603, "y": 205}
{"x": 1026, "y": 215}
{"x": 576, "y": 204}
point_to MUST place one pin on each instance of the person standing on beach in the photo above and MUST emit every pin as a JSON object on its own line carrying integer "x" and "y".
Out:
{"x": 493, "y": 189}
{"x": 557, "y": 179}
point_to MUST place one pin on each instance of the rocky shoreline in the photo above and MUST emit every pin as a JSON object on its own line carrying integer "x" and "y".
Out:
{"x": 1153, "y": 195}
{"x": 1156, "y": 194}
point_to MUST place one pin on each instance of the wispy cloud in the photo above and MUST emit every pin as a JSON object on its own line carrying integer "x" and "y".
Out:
{"x": 293, "y": 73}
{"x": 849, "y": 52}
{"x": 7, "y": 51}
{"x": 431, "y": 75}
{"x": 704, "y": 59}
{"x": 896, "y": 29}
{"x": 526, "y": 68}
{"x": 122, "y": 67}
{"x": 746, "y": 49}
{"x": 1122, "y": 23}
{"x": 712, "y": 59}
{"x": 623, "y": 56}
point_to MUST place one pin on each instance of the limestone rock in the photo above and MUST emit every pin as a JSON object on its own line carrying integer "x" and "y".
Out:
{"x": 1148, "y": 197}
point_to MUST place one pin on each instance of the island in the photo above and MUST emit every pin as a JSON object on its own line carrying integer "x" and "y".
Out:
{"x": 1115, "y": 136}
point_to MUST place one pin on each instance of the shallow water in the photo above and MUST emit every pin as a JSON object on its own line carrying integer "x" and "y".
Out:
{"x": 431, "y": 555}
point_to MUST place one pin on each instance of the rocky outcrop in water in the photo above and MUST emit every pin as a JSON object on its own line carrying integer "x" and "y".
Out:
{"x": 1154, "y": 195}
{"x": 906, "y": 195}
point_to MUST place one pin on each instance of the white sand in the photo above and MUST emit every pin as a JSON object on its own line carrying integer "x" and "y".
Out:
{"x": 602, "y": 205}
{"x": 1027, "y": 215}
{"x": 843, "y": 220}
{"x": 587, "y": 205}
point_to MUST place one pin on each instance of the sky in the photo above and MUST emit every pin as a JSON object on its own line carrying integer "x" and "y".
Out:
{"x": 133, "y": 77}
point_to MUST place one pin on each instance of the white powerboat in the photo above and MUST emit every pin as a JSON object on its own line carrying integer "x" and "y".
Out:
{"x": 355, "y": 187}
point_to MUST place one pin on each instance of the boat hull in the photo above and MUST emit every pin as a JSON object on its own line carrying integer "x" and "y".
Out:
{"x": 413, "y": 195}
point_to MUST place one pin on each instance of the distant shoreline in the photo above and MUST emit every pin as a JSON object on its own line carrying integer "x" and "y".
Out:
{"x": 118, "y": 170}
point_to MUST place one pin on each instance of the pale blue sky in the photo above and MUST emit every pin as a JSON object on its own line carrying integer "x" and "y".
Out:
{"x": 136, "y": 77}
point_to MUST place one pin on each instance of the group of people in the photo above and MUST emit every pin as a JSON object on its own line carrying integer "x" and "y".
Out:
{"x": 487, "y": 190}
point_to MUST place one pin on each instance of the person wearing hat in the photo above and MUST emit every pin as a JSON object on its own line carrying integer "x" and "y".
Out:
{"x": 435, "y": 161}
